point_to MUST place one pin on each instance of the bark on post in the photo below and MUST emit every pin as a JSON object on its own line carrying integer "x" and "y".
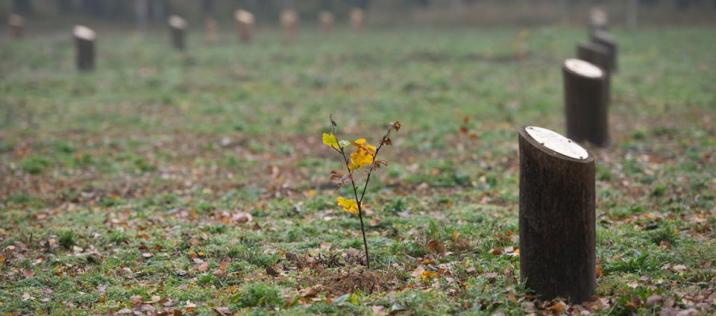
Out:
{"x": 16, "y": 23}
{"x": 289, "y": 22}
{"x": 598, "y": 55}
{"x": 85, "y": 46}
{"x": 177, "y": 27}
{"x": 326, "y": 20}
{"x": 556, "y": 216}
{"x": 585, "y": 103}
{"x": 607, "y": 40}
{"x": 357, "y": 17}
{"x": 245, "y": 24}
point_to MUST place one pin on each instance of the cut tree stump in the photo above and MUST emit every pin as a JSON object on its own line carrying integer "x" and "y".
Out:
{"x": 598, "y": 19}
{"x": 607, "y": 40}
{"x": 598, "y": 55}
{"x": 177, "y": 27}
{"x": 244, "y": 24}
{"x": 326, "y": 20}
{"x": 85, "y": 39}
{"x": 585, "y": 102}
{"x": 16, "y": 24}
{"x": 289, "y": 22}
{"x": 556, "y": 216}
{"x": 357, "y": 19}
{"x": 211, "y": 26}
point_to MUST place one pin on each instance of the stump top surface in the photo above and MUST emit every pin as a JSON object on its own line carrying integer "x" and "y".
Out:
{"x": 583, "y": 68}
{"x": 244, "y": 16}
{"x": 289, "y": 17}
{"x": 177, "y": 22}
{"x": 84, "y": 32}
{"x": 557, "y": 143}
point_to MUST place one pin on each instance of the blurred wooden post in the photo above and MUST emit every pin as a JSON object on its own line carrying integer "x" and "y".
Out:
{"x": 85, "y": 47}
{"x": 557, "y": 216}
{"x": 289, "y": 22}
{"x": 357, "y": 17}
{"x": 211, "y": 36}
{"x": 599, "y": 56}
{"x": 245, "y": 24}
{"x": 326, "y": 20}
{"x": 177, "y": 27}
{"x": 598, "y": 20}
{"x": 586, "y": 107}
{"x": 607, "y": 40}
{"x": 16, "y": 24}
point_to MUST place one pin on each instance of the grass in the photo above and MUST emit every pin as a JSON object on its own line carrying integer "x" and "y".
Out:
{"x": 199, "y": 178}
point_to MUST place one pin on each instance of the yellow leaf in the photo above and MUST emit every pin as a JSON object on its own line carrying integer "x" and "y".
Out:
{"x": 363, "y": 156}
{"x": 330, "y": 140}
{"x": 348, "y": 205}
{"x": 427, "y": 275}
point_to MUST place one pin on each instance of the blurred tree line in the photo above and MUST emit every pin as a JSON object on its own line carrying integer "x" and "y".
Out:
{"x": 158, "y": 10}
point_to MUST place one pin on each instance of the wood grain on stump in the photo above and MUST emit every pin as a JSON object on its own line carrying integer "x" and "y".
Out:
{"x": 607, "y": 40}
{"x": 585, "y": 103}
{"x": 556, "y": 216}
{"x": 85, "y": 47}
{"x": 244, "y": 24}
{"x": 177, "y": 27}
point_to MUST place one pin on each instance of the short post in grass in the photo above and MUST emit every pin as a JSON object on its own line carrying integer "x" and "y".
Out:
{"x": 177, "y": 30}
{"x": 16, "y": 25}
{"x": 289, "y": 23}
{"x": 244, "y": 24}
{"x": 211, "y": 26}
{"x": 357, "y": 18}
{"x": 607, "y": 40}
{"x": 85, "y": 47}
{"x": 585, "y": 102}
{"x": 598, "y": 55}
{"x": 326, "y": 19}
{"x": 556, "y": 216}
{"x": 598, "y": 19}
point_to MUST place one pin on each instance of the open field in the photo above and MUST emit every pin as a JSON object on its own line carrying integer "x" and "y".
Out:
{"x": 188, "y": 182}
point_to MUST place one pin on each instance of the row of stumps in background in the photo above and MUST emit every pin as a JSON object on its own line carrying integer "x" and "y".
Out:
{"x": 85, "y": 38}
{"x": 557, "y": 176}
{"x": 557, "y": 201}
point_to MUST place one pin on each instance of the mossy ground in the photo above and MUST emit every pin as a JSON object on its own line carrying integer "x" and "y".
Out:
{"x": 196, "y": 181}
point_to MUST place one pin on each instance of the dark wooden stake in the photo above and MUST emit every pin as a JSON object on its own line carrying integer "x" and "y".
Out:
{"x": 586, "y": 107}
{"x": 177, "y": 27}
{"x": 245, "y": 24}
{"x": 85, "y": 45}
{"x": 607, "y": 40}
{"x": 16, "y": 25}
{"x": 598, "y": 55}
{"x": 556, "y": 216}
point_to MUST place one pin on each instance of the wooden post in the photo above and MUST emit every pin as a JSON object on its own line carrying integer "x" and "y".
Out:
{"x": 16, "y": 24}
{"x": 598, "y": 55}
{"x": 177, "y": 27}
{"x": 357, "y": 17}
{"x": 326, "y": 20}
{"x": 607, "y": 40}
{"x": 598, "y": 19}
{"x": 586, "y": 108}
{"x": 289, "y": 22}
{"x": 245, "y": 24}
{"x": 85, "y": 45}
{"x": 556, "y": 216}
{"x": 211, "y": 36}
